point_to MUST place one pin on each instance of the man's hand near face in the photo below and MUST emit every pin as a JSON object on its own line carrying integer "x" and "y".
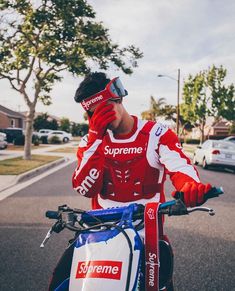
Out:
{"x": 98, "y": 123}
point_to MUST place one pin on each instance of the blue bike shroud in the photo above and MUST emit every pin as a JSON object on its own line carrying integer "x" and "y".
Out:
{"x": 106, "y": 259}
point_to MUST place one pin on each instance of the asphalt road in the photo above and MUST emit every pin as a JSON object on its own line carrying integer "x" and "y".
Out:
{"x": 204, "y": 246}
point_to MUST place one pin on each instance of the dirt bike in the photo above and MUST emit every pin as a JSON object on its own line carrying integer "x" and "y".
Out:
{"x": 122, "y": 248}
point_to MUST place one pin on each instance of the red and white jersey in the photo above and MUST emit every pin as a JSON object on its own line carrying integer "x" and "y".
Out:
{"x": 121, "y": 169}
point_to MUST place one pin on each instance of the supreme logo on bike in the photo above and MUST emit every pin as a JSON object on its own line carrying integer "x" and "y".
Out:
{"x": 99, "y": 269}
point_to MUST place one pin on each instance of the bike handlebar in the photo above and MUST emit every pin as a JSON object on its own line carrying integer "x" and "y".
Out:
{"x": 115, "y": 213}
{"x": 67, "y": 217}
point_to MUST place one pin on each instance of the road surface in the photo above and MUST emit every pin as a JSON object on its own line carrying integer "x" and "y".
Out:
{"x": 204, "y": 246}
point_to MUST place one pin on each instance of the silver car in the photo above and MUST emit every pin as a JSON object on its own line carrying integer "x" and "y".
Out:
{"x": 63, "y": 136}
{"x": 3, "y": 141}
{"x": 215, "y": 153}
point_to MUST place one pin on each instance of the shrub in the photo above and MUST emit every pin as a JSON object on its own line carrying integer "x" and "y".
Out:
{"x": 35, "y": 140}
{"x": 192, "y": 141}
{"x": 19, "y": 140}
{"x": 44, "y": 139}
{"x": 54, "y": 139}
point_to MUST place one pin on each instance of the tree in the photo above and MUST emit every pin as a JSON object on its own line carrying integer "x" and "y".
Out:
{"x": 40, "y": 39}
{"x": 42, "y": 121}
{"x": 195, "y": 101}
{"x": 65, "y": 124}
{"x": 223, "y": 97}
{"x": 79, "y": 129}
{"x": 205, "y": 95}
{"x": 168, "y": 111}
{"x": 155, "y": 108}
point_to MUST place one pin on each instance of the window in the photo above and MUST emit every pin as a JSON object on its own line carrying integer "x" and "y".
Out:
{"x": 13, "y": 123}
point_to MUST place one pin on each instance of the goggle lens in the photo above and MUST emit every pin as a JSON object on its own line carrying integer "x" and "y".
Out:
{"x": 117, "y": 88}
{"x": 113, "y": 90}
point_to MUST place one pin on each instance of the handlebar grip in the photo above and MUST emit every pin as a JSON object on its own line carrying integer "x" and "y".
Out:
{"x": 52, "y": 214}
{"x": 214, "y": 192}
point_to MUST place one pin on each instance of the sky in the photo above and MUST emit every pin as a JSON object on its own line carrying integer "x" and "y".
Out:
{"x": 190, "y": 35}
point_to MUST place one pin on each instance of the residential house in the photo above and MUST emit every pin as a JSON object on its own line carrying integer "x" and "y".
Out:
{"x": 10, "y": 118}
{"x": 213, "y": 129}
{"x": 50, "y": 116}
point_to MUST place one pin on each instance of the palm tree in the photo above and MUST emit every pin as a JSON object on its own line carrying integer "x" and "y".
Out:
{"x": 156, "y": 106}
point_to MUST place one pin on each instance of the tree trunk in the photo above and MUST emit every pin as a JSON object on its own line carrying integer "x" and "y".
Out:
{"x": 29, "y": 132}
{"x": 202, "y": 130}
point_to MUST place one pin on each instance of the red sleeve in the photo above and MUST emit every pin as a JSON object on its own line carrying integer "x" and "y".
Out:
{"x": 87, "y": 178}
{"x": 178, "y": 166}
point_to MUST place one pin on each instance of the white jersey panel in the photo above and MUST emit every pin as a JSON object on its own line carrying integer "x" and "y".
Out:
{"x": 174, "y": 162}
{"x": 152, "y": 156}
{"x": 106, "y": 203}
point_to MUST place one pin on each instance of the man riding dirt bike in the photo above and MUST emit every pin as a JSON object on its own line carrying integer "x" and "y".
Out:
{"x": 124, "y": 159}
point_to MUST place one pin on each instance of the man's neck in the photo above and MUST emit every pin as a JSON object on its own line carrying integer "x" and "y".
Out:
{"x": 126, "y": 125}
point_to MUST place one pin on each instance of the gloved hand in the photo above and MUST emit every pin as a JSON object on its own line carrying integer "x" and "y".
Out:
{"x": 194, "y": 193}
{"x": 102, "y": 116}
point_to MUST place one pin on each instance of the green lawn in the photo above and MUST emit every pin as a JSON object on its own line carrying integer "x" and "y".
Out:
{"x": 18, "y": 166}
{"x": 65, "y": 150}
{"x": 12, "y": 147}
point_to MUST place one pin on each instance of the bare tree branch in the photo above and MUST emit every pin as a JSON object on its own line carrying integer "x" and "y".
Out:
{"x": 10, "y": 79}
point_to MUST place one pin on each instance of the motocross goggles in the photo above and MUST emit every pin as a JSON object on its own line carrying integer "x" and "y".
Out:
{"x": 114, "y": 90}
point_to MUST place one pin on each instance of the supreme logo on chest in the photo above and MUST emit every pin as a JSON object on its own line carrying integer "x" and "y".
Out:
{"x": 116, "y": 152}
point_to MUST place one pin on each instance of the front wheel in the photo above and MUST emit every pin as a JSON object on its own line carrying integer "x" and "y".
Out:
{"x": 65, "y": 139}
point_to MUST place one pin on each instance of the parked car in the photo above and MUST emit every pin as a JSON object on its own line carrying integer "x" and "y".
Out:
{"x": 17, "y": 135}
{"x": 44, "y": 132}
{"x": 12, "y": 133}
{"x": 230, "y": 138}
{"x": 62, "y": 136}
{"x": 218, "y": 153}
{"x": 3, "y": 141}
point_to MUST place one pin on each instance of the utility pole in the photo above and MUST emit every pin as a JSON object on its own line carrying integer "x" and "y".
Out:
{"x": 178, "y": 99}
{"x": 178, "y": 104}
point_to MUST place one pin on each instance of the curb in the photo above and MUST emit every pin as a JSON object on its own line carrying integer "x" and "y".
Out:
{"x": 35, "y": 172}
{"x": 39, "y": 170}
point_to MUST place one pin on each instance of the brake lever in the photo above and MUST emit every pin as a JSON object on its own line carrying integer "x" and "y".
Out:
{"x": 47, "y": 237}
{"x": 198, "y": 208}
{"x": 57, "y": 227}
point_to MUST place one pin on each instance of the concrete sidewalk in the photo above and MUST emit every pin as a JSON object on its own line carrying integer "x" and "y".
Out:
{"x": 8, "y": 181}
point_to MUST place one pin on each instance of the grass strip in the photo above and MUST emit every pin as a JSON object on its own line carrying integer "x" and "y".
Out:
{"x": 12, "y": 147}
{"x": 65, "y": 150}
{"x": 16, "y": 166}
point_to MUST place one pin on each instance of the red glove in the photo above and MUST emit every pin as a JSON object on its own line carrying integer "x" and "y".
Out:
{"x": 102, "y": 116}
{"x": 194, "y": 193}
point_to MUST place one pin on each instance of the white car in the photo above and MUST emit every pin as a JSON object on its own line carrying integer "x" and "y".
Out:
{"x": 230, "y": 138}
{"x": 3, "y": 141}
{"x": 215, "y": 153}
{"x": 63, "y": 136}
{"x": 44, "y": 132}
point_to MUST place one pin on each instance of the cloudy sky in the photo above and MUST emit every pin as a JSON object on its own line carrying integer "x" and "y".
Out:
{"x": 189, "y": 35}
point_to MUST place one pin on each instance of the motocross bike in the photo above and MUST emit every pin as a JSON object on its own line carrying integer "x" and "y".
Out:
{"x": 123, "y": 247}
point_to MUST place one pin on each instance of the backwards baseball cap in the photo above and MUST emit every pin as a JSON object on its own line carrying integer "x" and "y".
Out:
{"x": 113, "y": 90}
